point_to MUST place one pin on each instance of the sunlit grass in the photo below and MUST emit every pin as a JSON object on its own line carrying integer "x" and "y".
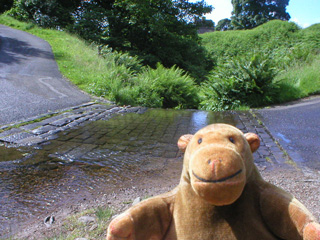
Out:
{"x": 292, "y": 49}
{"x": 300, "y": 81}
{"x": 115, "y": 76}
{"x": 295, "y": 53}
{"x": 77, "y": 60}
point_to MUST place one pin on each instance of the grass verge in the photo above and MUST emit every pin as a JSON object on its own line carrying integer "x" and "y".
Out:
{"x": 300, "y": 81}
{"x": 112, "y": 75}
{"x": 122, "y": 79}
{"x": 76, "y": 60}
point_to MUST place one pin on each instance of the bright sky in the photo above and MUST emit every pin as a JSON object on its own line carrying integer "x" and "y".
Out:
{"x": 302, "y": 12}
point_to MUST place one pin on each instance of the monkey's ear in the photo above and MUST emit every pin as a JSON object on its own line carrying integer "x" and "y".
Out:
{"x": 253, "y": 140}
{"x": 184, "y": 141}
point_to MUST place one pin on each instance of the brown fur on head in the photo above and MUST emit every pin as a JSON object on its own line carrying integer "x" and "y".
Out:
{"x": 218, "y": 162}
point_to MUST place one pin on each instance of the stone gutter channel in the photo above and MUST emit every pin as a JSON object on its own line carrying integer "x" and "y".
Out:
{"x": 43, "y": 128}
{"x": 38, "y": 130}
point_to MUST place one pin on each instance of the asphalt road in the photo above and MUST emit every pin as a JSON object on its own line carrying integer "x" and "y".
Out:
{"x": 297, "y": 127}
{"x": 30, "y": 81}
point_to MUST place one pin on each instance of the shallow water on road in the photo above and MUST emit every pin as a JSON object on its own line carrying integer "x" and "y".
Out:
{"x": 95, "y": 157}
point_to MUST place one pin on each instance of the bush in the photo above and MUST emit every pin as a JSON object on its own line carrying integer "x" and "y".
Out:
{"x": 173, "y": 86}
{"x": 160, "y": 87}
{"x": 54, "y": 14}
{"x": 241, "y": 81}
{"x": 133, "y": 63}
{"x": 111, "y": 81}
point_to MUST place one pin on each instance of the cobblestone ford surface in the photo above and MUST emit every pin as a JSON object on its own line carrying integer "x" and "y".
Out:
{"x": 95, "y": 148}
{"x": 43, "y": 129}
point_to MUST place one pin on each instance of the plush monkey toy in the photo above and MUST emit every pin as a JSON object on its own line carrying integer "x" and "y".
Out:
{"x": 221, "y": 195}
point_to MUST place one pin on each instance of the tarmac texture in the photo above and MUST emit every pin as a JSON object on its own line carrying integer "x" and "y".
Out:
{"x": 30, "y": 80}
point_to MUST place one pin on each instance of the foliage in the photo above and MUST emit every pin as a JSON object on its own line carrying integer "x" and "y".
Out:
{"x": 160, "y": 87}
{"x": 5, "y": 5}
{"x": 90, "y": 21}
{"x": 224, "y": 25}
{"x": 114, "y": 75}
{"x": 311, "y": 36}
{"x": 172, "y": 88}
{"x": 160, "y": 31}
{"x": 241, "y": 81}
{"x": 53, "y": 13}
{"x": 132, "y": 63}
{"x": 11, "y": 22}
{"x": 122, "y": 78}
{"x": 203, "y": 22}
{"x": 248, "y": 14}
{"x": 269, "y": 38}
{"x": 294, "y": 53}
{"x": 299, "y": 80}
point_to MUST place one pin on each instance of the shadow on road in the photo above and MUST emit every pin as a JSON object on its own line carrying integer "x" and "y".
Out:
{"x": 13, "y": 51}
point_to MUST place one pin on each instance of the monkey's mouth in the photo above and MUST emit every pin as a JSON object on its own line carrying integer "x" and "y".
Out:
{"x": 218, "y": 180}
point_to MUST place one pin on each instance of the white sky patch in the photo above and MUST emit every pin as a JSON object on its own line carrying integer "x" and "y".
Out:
{"x": 316, "y": 21}
{"x": 305, "y": 25}
{"x": 301, "y": 24}
{"x": 222, "y": 9}
{"x": 303, "y": 12}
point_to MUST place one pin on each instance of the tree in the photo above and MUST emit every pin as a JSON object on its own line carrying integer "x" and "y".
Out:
{"x": 160, "y": 31}
{"x": 49, "y": 13}
{"x": 5, "y": 5}
{"x": 248, "y": 14}
{"x": 224, "y": 25}
{"x": 205, "y": 23}
{"x": 155, "y": 30}
{"x": 90, "y": 21}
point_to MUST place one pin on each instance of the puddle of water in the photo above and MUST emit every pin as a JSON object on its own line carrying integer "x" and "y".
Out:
{"x": 9, "y": 154}
{"x": 99, "y": 156}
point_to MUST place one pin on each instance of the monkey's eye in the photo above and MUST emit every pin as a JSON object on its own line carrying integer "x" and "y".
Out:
{"x": 200, "y": 140}
{"x": 231, "y": 139}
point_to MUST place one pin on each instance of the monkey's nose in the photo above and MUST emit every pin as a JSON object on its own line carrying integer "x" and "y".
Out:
{"x": 213, "y": 163}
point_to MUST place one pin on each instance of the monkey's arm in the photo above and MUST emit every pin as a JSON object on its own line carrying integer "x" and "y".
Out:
{"x": 149, "y": 219}
{"x": 286, "y": 216}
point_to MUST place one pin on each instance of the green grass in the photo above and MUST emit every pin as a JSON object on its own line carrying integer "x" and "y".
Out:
{"x": 116, "y": 76}
{"x": 28, "y": 122}
{"x": 121, "y": 78}
{"x": 270, "y": 36}
{"x": 77, "y": 61}
{"x": 300, "y": 81}
{"x": 294, "y": 52}
{"x": 73, "y": 229}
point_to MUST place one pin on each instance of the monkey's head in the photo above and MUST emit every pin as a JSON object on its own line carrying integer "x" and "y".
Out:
{"x": 218, "y": 161}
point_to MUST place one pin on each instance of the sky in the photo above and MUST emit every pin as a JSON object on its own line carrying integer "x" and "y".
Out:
{"x": 302, "y": 12}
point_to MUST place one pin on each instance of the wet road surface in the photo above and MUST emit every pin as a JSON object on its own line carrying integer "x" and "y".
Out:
{"x": 30, "y": 81}
{"x": 297, "y": 127}
{"x": 100, "y": 156}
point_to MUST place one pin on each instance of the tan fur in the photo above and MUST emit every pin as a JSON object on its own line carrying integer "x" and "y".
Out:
{"x": 221, "y": 196}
